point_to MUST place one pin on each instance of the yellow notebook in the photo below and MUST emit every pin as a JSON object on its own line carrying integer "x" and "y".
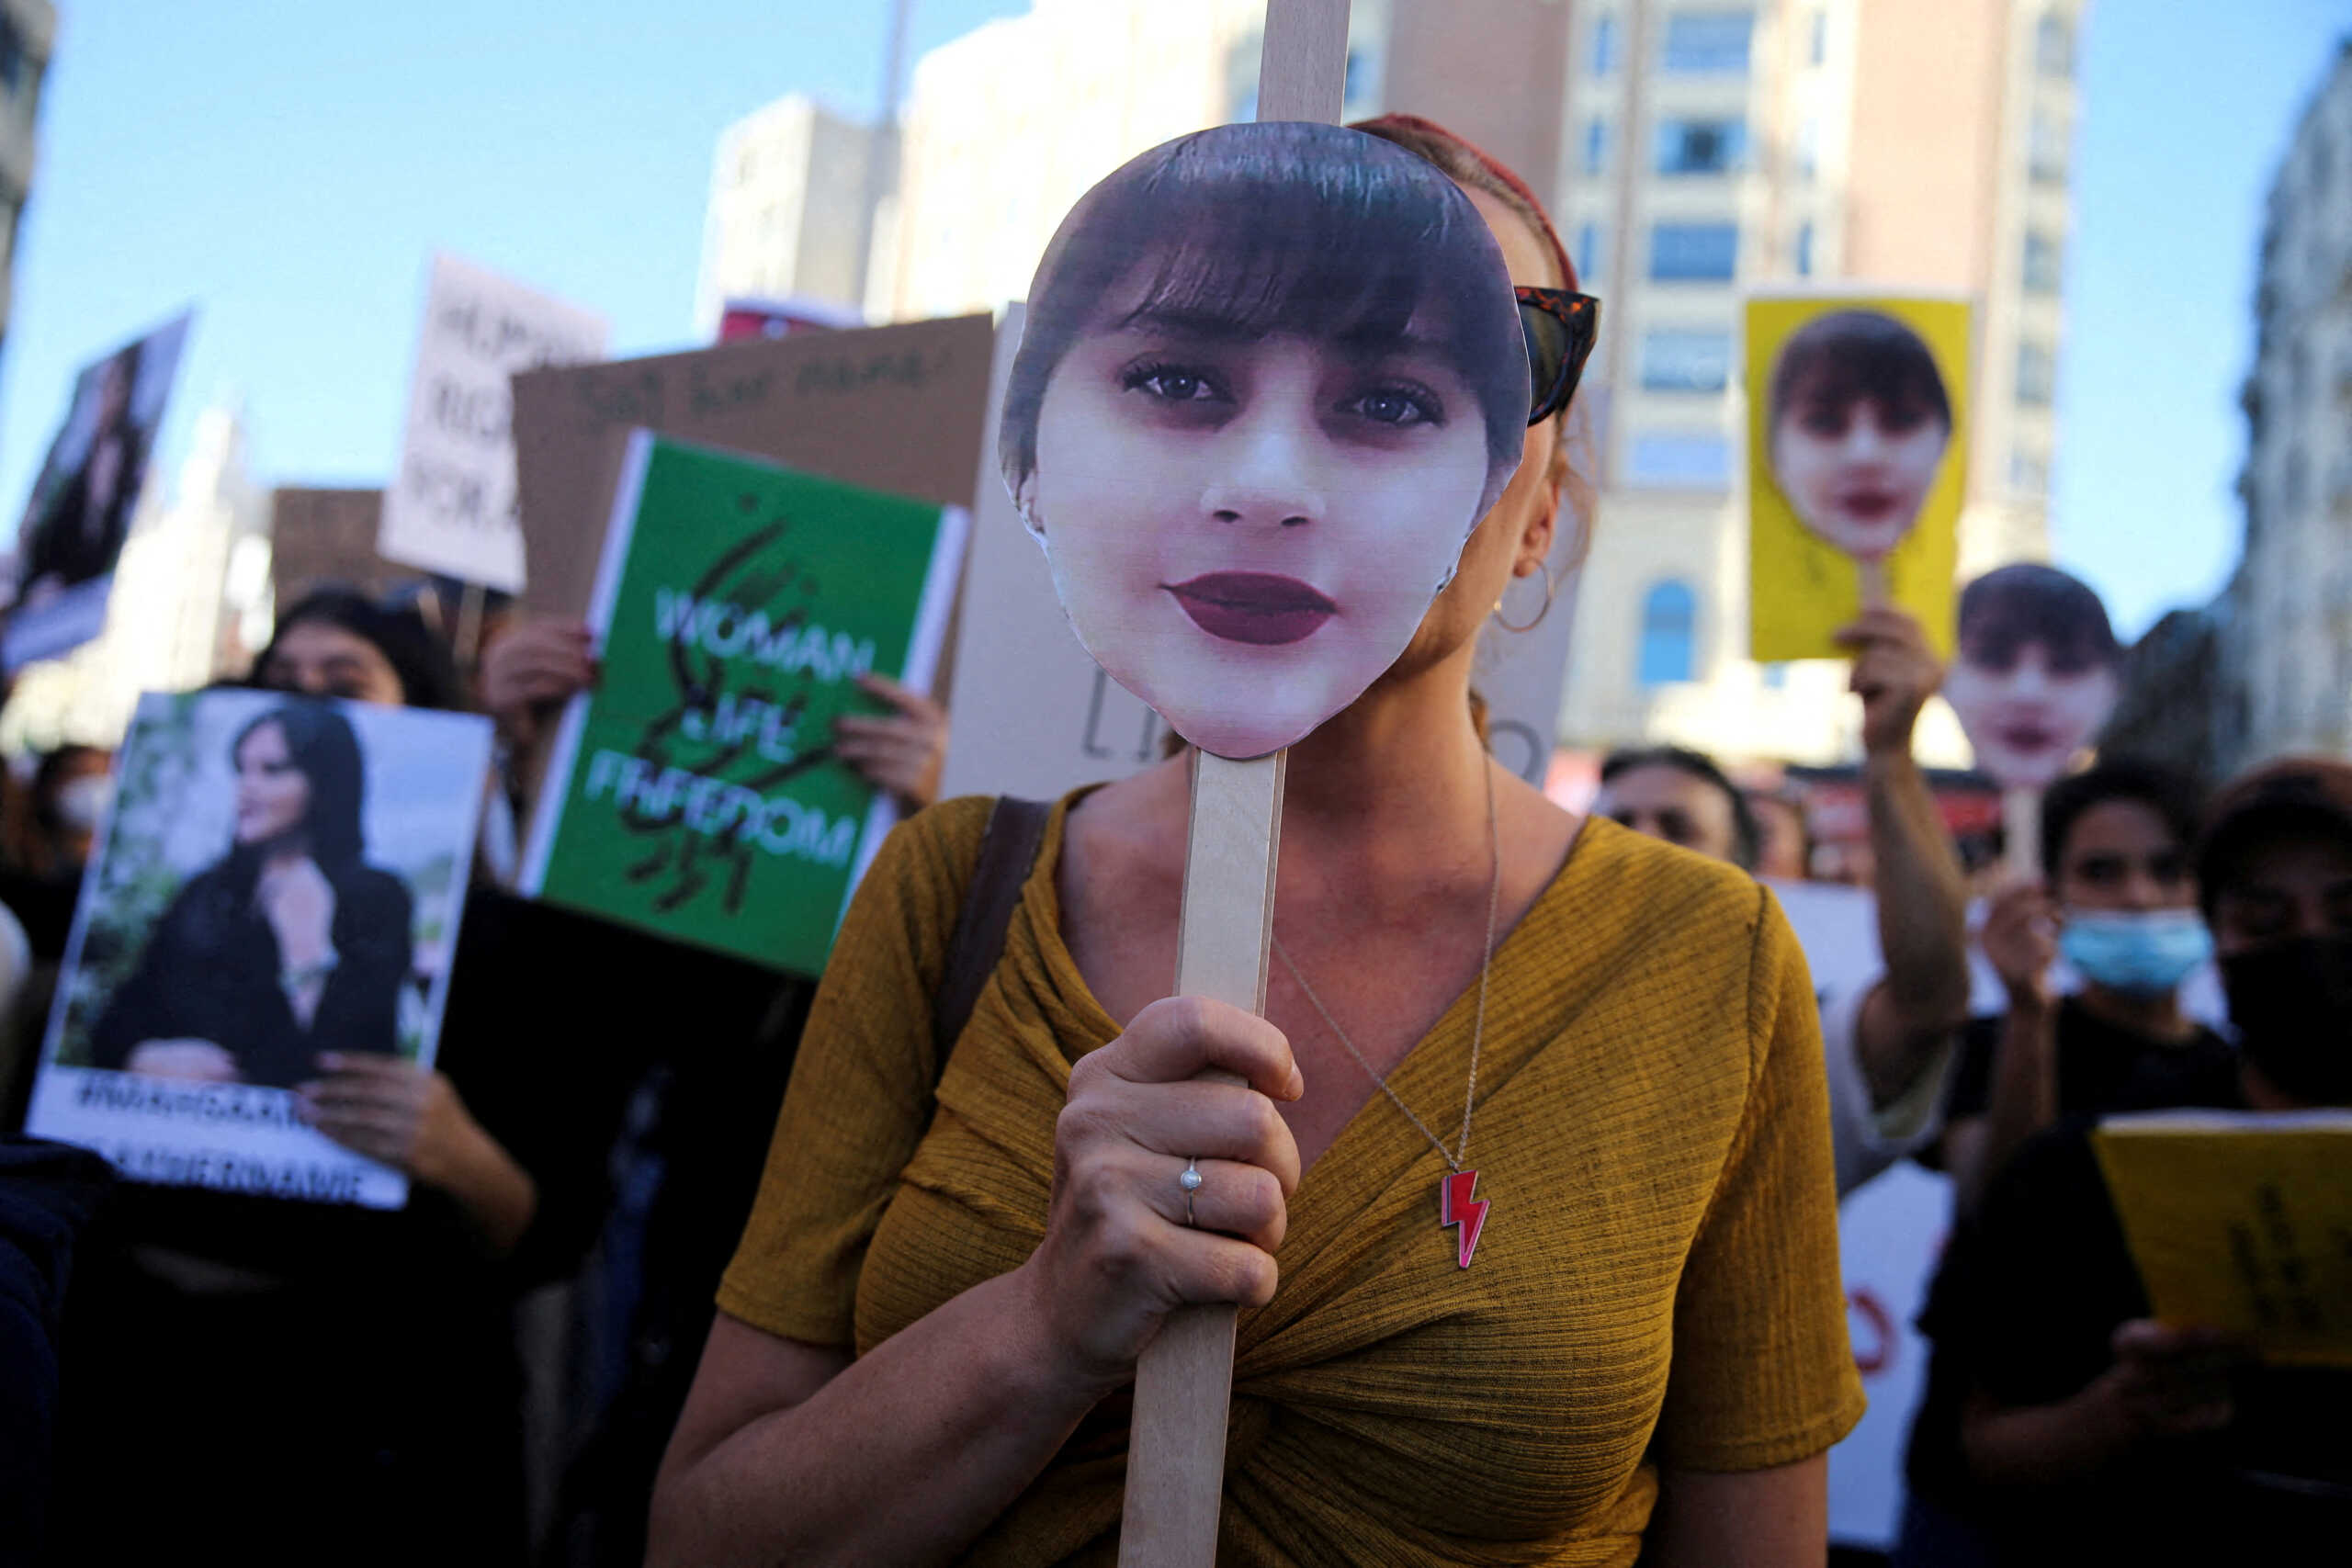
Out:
{"x": 2241, "y": 1221}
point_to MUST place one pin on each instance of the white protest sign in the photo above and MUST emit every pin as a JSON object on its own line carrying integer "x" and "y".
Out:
{"x": 450, "y": 508}
{"x": 1036, "y": 716}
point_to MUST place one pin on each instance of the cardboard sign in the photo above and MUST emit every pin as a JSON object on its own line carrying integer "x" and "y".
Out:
{"x": 86, "y": 496}
{"x": 451, "y": 508}
{"x": 1036, "y": 716}
{"x": 895, "y": 409}
{"x": 1272, "y": 376}
{"x": 1858, "y": 409}
{"x": 693, "y": 793}
{"x": 2037, "y": 673}
{"x": 278, "y": 876}
{"x": 319, "y": 537}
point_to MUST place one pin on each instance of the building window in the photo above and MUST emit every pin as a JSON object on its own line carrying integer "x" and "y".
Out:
{"x": 1805, "y": 149}
{"x": 2029, "y": 473}
{"x": 2046, "y": 149}
{"x": 14, "y": 63}
{"x": 1818, "y": 47}
{"x": 1706, "y": 42}
{"x": 1776, "y": 676}
{"x": 1700, "y": 146}
{"x": 1693, "y": 253}
{"x": 1678, "y": 460}
{"x": 1596, "y": 146}
{"x": 2037, "y": 374}
{"x": 1681, "y": 360}
{"x": 2295, "y": 486}
{"x": 1669, "y": 634}
{"x": 1604, "y": 44}
{"x": 2044, "y": 262}
{"x": 2054, "y": 46}
{"x": 1587, "y": 257}
{"x": 1803, "y": 257}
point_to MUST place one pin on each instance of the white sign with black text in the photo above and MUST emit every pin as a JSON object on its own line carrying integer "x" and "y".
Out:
{"x": 451, "y": 509}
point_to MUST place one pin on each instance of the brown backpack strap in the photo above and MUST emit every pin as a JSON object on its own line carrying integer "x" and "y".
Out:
{"x": 1009, "y": 848}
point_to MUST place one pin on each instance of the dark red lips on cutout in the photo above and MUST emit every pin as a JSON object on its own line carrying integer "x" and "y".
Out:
{"x": 1253, "y": 607}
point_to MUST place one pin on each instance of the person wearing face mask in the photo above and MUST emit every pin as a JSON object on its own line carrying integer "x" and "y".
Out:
{"x": 2118, "y": 904}
{"x": 2088, "y": 1431}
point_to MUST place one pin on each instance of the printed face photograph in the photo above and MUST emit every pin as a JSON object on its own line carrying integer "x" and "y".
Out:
{"x": 1272, "y": 377}
{"x": 2037, "y": 676}
{"x": 1859, "y": 426}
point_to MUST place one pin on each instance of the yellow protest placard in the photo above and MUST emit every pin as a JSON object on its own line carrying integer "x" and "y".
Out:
{"x": 1858, "y": 412}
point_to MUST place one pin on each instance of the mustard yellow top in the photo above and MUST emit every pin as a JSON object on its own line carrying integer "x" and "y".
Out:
{"x": 1658, "y": 1282}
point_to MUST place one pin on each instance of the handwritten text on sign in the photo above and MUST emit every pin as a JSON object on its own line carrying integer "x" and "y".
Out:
{"x": 451, "y": 508}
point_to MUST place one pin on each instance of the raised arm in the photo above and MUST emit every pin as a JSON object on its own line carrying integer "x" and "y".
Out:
{"x": 790, "y": 1452}
{"x": 1908, "y": 1020}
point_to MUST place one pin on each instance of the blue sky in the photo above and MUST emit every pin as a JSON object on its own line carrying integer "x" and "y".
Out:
{"x": 287, "y": 167}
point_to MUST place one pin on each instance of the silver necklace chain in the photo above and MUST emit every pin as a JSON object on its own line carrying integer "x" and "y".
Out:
{"x": 1478, "y": 1031}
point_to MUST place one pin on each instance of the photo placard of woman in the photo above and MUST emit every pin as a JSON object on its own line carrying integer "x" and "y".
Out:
{"x": 1858, "y": 408}
{"x": 268, "y": 908}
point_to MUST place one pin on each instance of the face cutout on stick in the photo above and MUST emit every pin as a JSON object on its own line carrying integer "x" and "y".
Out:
{"x": 1859, "y": 423}
{"x": 2037, "y": 673}
{"x": 1272, "y": 377}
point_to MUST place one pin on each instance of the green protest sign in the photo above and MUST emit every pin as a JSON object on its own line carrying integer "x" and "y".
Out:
{"x": 693, "y": 793}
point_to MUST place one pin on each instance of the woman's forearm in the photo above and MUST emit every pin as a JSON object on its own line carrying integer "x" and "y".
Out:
{"x": 2024, "y": 1095}
{"x": 496, "y": 1195}
{"x": 904, "y": 1457}
{"x": 2041, "y": 1444}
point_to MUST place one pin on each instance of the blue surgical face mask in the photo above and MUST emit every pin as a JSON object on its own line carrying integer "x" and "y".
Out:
{"x": 2142, "y": 953}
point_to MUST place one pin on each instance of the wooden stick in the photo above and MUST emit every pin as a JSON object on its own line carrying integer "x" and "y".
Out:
{"x": 2021, "y": 832}
{"x": 1302, "y": 67}
{"x": 1870, "y": 576}
{"x": 1184, "y": 1381}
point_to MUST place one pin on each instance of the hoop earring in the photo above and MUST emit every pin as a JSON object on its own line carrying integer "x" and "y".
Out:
{"x": 1550, "y": 591}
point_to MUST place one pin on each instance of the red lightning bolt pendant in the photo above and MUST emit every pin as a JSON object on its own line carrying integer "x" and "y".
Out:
{"x": 1455, "y": 1206}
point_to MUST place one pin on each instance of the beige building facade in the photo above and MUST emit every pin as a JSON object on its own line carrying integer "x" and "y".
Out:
{"x": 790, "y": 211}
{"x": 1713, "y": 149}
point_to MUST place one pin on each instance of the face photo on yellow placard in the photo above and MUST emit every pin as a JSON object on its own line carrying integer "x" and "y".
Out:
{"x": 2036, "y": 675}
{"x": 1855, "y": 412}
{"x": 1271, "y": 379}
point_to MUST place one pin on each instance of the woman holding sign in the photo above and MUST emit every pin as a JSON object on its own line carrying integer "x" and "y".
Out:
{"x": 1620, "y": 1323}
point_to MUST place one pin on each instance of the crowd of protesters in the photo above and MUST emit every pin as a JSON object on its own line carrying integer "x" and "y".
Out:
{"x": 269, "y": 1381}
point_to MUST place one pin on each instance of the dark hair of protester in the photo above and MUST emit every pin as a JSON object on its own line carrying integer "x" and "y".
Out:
{"x": 2163, "y": 790}
{"x": 326, "y": 753}
{"x": 2028, "y": 602}
{"x": 2291, "y": 795}
{"x": 1311, "y": 230}
{"x": 1747, "y": 836}
{"x": 429, "y": 679}
{"x": 1846, "y": 356}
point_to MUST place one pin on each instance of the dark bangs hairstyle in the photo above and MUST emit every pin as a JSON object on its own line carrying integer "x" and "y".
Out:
{"x": 1315, "y": 230}
{"x": 326, "y": 753}
{"x": 2167, "y": 793}
{"x": 1840, "y": 359}
{"x": 2004, "y": 609}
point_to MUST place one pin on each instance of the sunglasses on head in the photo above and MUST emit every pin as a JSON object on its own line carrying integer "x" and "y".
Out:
{"x": 1560, "y": 327}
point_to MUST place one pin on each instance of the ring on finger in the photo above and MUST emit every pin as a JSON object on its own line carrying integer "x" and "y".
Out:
{"x": 1190, "y": 1181}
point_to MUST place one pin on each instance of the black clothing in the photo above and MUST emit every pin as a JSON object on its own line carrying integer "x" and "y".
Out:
{"x": 47, "y": 1191}
{"x": 2028, "y": 1297}
{"x": 2102, "y": 1067}
{"x": 211, "y": 971}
